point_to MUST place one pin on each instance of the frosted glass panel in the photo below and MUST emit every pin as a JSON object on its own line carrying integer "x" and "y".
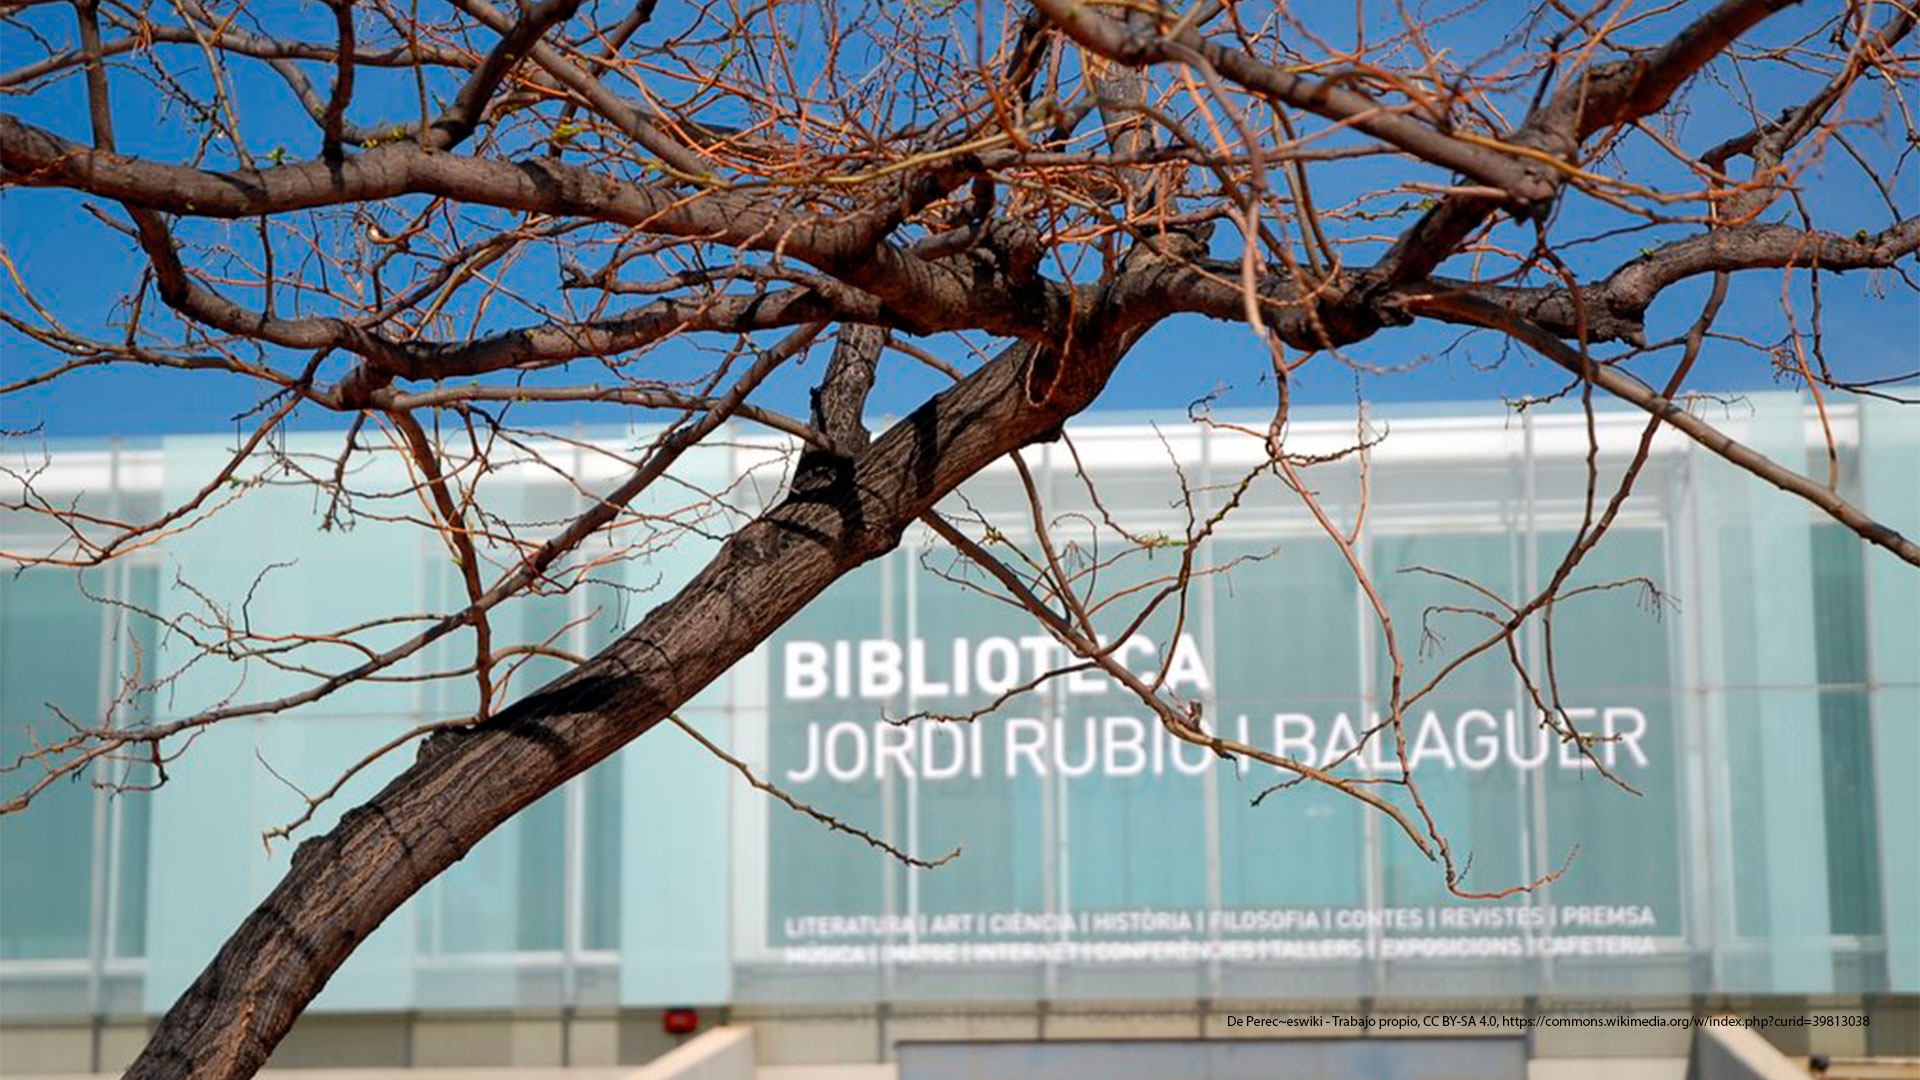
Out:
{"x": 50, "y": 639}
{"x": 1754, "y": 671}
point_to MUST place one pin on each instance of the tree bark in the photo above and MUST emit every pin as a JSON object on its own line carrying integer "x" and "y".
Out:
{"x": 343, "y": 885}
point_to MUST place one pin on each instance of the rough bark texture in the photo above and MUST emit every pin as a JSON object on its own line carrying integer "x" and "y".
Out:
{"x": 342, "y": 886}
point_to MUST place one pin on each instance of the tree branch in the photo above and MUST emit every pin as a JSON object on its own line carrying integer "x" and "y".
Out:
{"x": 920, "y": 292}
{"x": 1126, "y": 44}
{"x": 341, "y": 886}
{"x": 1625, "y": 387}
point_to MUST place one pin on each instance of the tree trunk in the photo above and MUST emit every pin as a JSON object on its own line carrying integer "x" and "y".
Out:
{"x": 341, "y": 886}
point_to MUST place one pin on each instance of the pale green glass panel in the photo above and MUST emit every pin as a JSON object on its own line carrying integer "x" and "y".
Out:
{"x": 133, "y": 814}
{"x": 1767, "y": 715}
{"x": 1890, "y": 482}
{"x": 605, "y": 792}
{"x": 493, "y": 927}
{"x": 50, "y": 638}
{"x": 1613, "y": 667}
{"x": 1286, "y": 660}
{"x": 812, "y": 871}
{"x": 1479, "y": 809}
{"x": 208, "y": 820}
{"x": 1846, "y": 731}
{"x": 671, "y": 884}
{"x": 1811, "y": 677}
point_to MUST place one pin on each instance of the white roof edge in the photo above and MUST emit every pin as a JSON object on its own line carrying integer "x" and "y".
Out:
{"x": 1439, "y": 440}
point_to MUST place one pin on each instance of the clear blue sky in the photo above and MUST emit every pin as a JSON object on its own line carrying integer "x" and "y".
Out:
{"x": 81, "y": 268}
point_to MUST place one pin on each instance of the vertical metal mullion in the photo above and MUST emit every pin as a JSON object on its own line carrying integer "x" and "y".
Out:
{"x": 1675, "y": 536}
{"x": 431, "y": 596}
{"x": 573, "y": 906}
{"x": 123, "y": 770}
{"x": 1209, "y": 639}
{"x": 745, "y": 747}
{"x": 1713, "y": 697}
{"x": 1055, "y": 863}
{"x": 1873, "y": 689}
{"x": 1533, "y": 782}
{"x": 1373, "y": 883}
{"x": 911, "y": 781}
{"x": 98, "y": 885}
{"x": 1703, "y": 915}
{"x": 889, "y": 876}
{"x": 429, "y": 905}
{"x": 574, "y": 900}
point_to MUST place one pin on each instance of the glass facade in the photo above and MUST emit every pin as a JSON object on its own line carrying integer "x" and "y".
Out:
{"x": 1756, "y": 668}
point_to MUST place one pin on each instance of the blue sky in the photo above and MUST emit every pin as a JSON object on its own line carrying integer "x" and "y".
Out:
{"x": 80, "y": 267}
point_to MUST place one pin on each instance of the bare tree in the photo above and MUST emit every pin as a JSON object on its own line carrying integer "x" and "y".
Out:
{"x": 500, "y": 210}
